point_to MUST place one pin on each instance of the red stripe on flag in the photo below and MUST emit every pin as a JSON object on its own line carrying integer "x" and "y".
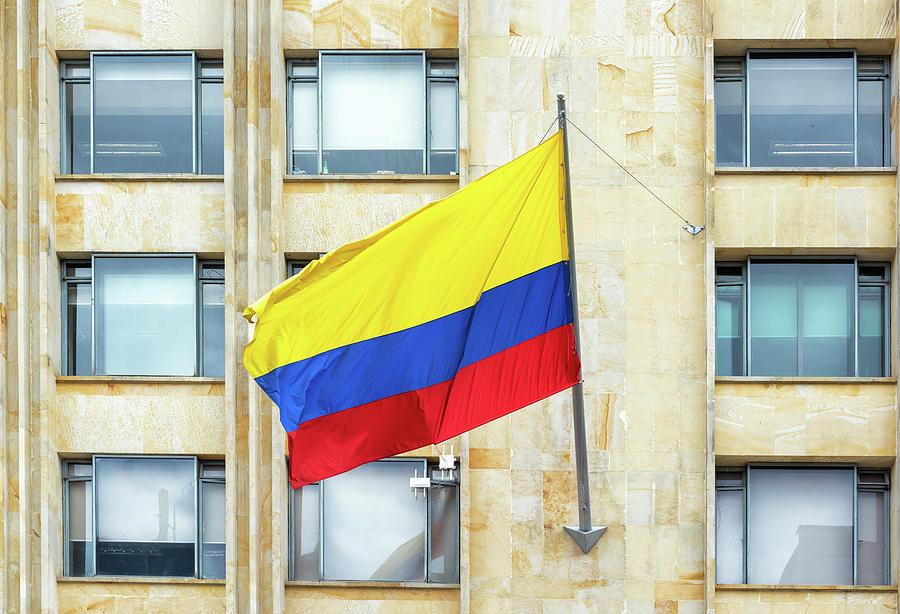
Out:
{"x": 479, "y": 393}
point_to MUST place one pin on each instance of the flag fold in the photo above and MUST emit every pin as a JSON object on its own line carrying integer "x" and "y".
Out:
{"x": 454, "y": 315}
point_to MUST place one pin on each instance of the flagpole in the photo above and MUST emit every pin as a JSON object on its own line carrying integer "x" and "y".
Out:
{"x": 585, "y": 534}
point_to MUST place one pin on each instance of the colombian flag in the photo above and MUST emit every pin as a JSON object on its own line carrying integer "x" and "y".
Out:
{"x": 453, "y": 316}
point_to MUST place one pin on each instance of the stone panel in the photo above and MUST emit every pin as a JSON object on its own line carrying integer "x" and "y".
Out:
{"x": 799, "y": 600}
{"x": 804, "y": 19}
{"x": 129, "y": 597}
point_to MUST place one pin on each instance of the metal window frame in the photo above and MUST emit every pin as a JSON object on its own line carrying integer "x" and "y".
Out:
{"x": 811, "y": 53}
{"x": 201, "y": 480}
{"x": 885, "y": 77}
{"x": 886, "y": 487}
{"x": 289, "y": 133}
{"x": 67, "y": 281}
{"x": 94, "y": 311}
{"x": 745, "y": 308}
{"x": 318, "y": 80}
{"x": 292, "y": 511}
{"x": 748, "y": 361}
{"x": 67, "y": 479}
{"x": 94, "y": 505}
{"x": 203, "y": 279}
{"x": 199, "y": 80}
{"x": 65, "y": 163}
{"x": 295, "y": 265}
{"x": 439, "y": 483}
{"x": 744, "y": 508}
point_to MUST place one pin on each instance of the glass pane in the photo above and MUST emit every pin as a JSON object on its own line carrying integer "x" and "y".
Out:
{"x": 303, "y": 69}
{"x": 143, "y": 114}
{"x": 442, "y": 115}
{"x": 213, "y": 529}
{"x": 773, "y": 319}
{"x": 304, "y": 134}
{"x": 871, "y": 543}
{"x": 827, "y": 313}
{"x": 801, "y": 110}
{"x": 729, "y": 537}
{"x": 81, "y": 529}
{"x": 145, "y": 316}
{"x": 213, "y": 471}
{"x": 213, "y": 329}
{"x": 729, "y": 330}
{"x": 146, "y": 516}
{"x": 212, "y": 128}
{"x": 870, "y": 123}
{"x": 80, "y": 70}
{"x": 729, "y": 123}
{"x": 374, "y": 119}
{"x": 80, "y": 469}
{"x": 78, "y": 128}
{"x": 374, "y": 524}
{"x": 78, "y": 329}
{"x": 871, "y": 331}
{"x": 306, "y": 533}
{"x": 444, "y": 566}
{"x": 800, "y": 526}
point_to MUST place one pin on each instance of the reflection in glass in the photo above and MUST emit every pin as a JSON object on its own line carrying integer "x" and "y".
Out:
{"x": 146, "y": 523}
{"x": 213, "y": 329}
{"x": 801, "y": 317}
{"x": 145, "y": 316}
{"x": 212, "y": 128}
{"x": 729, "y": 537}
{"x": 870, "y": 539}
{"x": 801, "y": 110}
{"x": 442, "y": 118}
{"x": 143, "y": 113}
{"x": 78, "y": 127}
{"x": 78, "y": 329}
{"x": 376, "y": 524}
{"x": 870, "y": 123}
{"x": 444, "y": 562}
{"x": 306, "y": 533}
{"x": 871, "y": 331}
{"x": 729, "y": 96}
{"x": 304, "y": 135}
{"x": 800, "y": 526}
{"x": 729, "y": 330}
{"x": 81, "y": 529}
{"x": 375, "y": 113}
{"x": 213, "y": 529}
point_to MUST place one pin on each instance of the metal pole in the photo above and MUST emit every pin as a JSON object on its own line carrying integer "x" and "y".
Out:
{"x": 585, "y": 534}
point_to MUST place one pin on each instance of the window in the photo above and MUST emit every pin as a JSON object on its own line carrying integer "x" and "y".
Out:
{"x": 827, "y": 317}
{"x": 142, "y": 113}
{"x": 295, "y": 266}
{"x": 144, "y": 315}
{"x": 148, "y": 510}
{"x": 372, "y": 113}
{"x": 798, "y": 525}
{"x": 802, "y": 109}
{"x": 368, "y": 524}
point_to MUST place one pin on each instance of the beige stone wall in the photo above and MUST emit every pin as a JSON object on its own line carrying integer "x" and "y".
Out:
{"x": 388, "y": 600}
{"x": 785, "y": 211}
{"x": 140, "y": 216}
{"x": 796, "y": 420}
{"x": 377, "y": 24}
{"x": 817, "y": 600}
{"x": 76, "y": 597}
{"x": 803, "y": 19}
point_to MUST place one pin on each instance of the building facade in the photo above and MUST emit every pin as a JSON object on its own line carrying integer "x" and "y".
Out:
{"x": 166, "y": 163}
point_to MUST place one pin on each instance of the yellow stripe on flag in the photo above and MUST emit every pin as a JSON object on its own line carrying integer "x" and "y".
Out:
{"x": 431, "y": 263}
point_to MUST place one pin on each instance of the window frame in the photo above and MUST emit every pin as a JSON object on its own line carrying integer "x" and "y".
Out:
{"x": 200, "y": 267}
{"x": 427, "y": 78}
{"x": 197, "y": 66}
{"x": 199, "y": 466}
{"x": 884, "y": 487}
{"x": 428, "y": 466}
{"x": 745, "y": 284}
{"x": 743, "y": 77}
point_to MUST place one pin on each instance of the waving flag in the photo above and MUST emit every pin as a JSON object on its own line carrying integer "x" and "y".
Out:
{"x": 454, "y": 315}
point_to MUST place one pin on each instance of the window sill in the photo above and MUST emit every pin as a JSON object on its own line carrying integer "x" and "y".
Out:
{"x": 374, "y": 177}
{"x": 138, "y": 580}
{"x": 368, "y": 584}
{"x": 806, "y": 587}
{"x": 806, "y": 170}
{"x": 107, "y": 177}
{"x": 139, "y": 379}
{"x": 754, "y": 379}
